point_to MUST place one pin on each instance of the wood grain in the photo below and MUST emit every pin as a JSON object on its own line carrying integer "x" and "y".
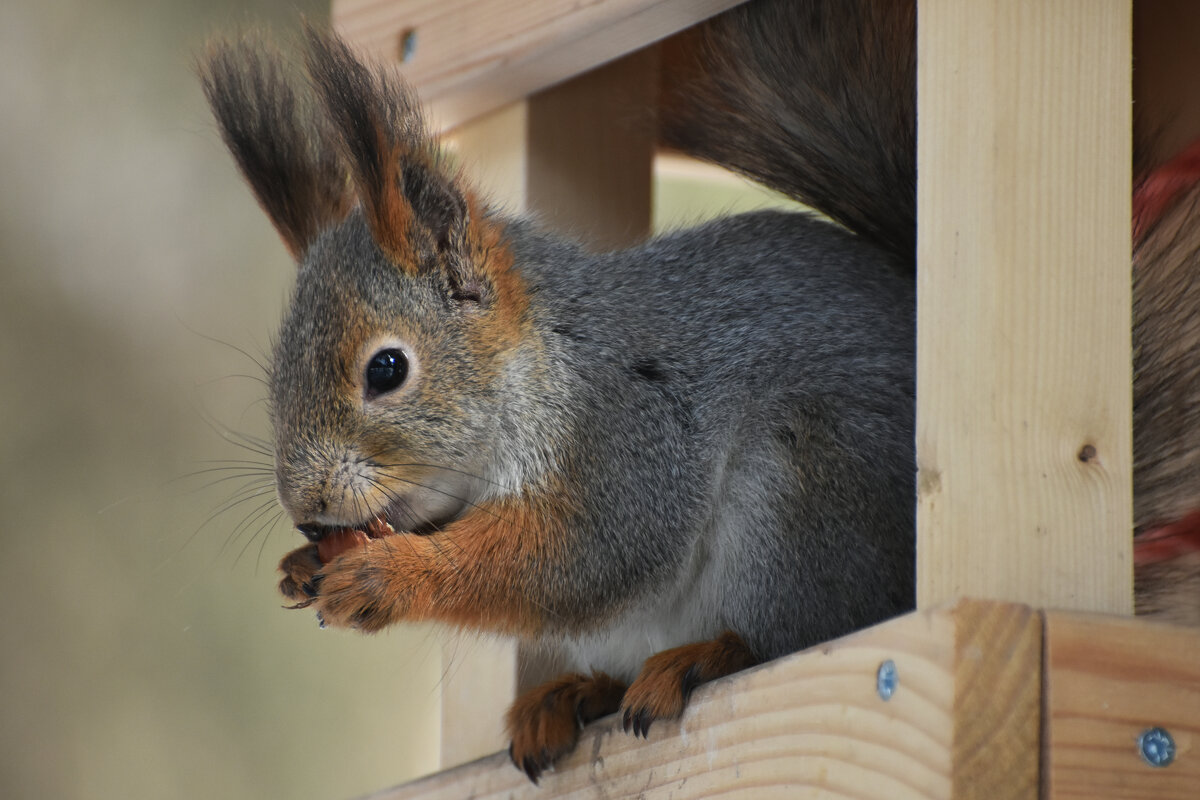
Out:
{"x": 997, "y": 701}
{"x": 1107, "y": 681}
{"x": 1023, "y": 366}
{"x": 962, "y": 723}
{"x": 590, "y": 151}
{"x": 471, "y": 58}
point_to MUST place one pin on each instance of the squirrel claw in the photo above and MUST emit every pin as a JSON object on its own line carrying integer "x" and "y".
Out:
{"x": 531, "y": 770}
{"x": 544, "y": 723}
{"x": 667, "y": 679}
{"x": 638, "y": 722}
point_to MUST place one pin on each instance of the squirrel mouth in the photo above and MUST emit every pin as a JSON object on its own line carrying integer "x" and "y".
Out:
{"x": 333, "y": 541}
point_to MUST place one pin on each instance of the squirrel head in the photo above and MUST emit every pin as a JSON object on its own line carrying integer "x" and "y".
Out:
{"x": 408, "y": 328}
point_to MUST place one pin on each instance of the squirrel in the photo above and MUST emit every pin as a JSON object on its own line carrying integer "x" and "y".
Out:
{"x": 673, "y": 461}
{"x": 1166, "y": 381}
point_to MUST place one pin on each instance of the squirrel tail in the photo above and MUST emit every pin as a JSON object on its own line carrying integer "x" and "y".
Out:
{"x": 813, "y": 98}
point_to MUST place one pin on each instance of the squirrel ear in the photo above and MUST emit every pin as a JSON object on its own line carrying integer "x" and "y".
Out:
{"x": 283, "y": 149}
{"x": 417, "y": 207}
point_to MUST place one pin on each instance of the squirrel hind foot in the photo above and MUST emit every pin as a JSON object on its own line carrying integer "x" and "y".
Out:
{"x": 662, "y": 689}
{"x": 544, "y": 723}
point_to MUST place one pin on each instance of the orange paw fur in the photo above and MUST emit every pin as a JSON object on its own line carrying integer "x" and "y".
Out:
{"x": 359, "y": 589}
{"x": 667, "y": 679}
{"x": 355, "y": 590}
{"x": 544, "y": 723}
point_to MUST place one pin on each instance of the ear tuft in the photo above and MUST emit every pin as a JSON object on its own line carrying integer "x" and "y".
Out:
{"x": 411, "y": 199}
{"x": 284, "y": 150}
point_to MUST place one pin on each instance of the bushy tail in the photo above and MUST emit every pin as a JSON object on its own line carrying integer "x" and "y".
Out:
{"x": 814, "y": 98}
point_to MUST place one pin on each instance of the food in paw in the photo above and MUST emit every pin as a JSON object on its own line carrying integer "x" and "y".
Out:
{"x": 336, "y": 542}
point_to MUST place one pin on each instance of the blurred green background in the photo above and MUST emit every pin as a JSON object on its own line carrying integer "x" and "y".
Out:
{"x": 144, "y": 650}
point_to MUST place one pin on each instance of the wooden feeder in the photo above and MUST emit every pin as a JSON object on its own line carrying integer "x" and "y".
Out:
{"x": 1040, "y": 685}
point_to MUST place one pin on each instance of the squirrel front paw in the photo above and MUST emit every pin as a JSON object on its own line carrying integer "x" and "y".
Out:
{"x": 544, "y": 723}
{"x": 352, "y": 591}
{"x": 300, "y": 568}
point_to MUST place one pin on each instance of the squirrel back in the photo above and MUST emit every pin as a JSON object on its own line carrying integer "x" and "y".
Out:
{"x": 672, "y": 461}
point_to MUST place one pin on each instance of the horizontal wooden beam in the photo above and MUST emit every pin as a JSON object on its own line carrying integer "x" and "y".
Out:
{"x": 1109, "y": 681}
{"x": 962, "y": 722}
{"x": 467, "y": 58}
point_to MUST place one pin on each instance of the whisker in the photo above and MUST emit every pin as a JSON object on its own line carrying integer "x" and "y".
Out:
{"x": 253, "y": 518}
{"x": 242, "y": 496}
{"x": 261, "y": 366}
{"x": 418, "y": 465}
{"x": 407, "y": 507}
{"x": 241, "y": 375}
{"x": 266, "y": 538}
{"x": 270, "y": 522}
{"x": 418, "y": 484}
{"x": 256, "y": 479}
{"x": 244, "y": 441}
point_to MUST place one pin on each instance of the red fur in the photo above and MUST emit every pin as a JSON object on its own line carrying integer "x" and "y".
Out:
{"x": 1168, "y": 541}
{"x": 1156, "y": 192}
{"x": 481, "y": 571}
{"x": 668, "y": 678}
{"x": 544, "y": 723}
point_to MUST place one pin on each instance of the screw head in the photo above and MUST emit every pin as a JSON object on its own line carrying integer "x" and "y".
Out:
{"x": 886, "y": 680}
{"x": 408, "y": 45}
{"x": 1157, "y": 747}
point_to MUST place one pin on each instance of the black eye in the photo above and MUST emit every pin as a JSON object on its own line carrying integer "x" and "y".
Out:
{"x": 386, "y": 370}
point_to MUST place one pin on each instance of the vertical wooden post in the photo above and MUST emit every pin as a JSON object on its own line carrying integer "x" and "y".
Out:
{"x": 1023, "y": 378}
{"x": 580, "y": 156}
{"x": 591, "y": 152}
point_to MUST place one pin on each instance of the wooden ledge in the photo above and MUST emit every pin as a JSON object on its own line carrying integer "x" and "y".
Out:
{"x": 468, "y": 57}
{"x": 1109, "y": 680}
{"x": 971, "y": 717}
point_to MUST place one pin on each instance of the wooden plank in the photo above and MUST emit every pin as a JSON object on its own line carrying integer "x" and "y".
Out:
{"x": 580, "y": 155}
{"x": 470, "y": 57}
{"x": 1023, "y": 366}
{"x": 565, "y": 155}
{"x": 479, "y": 680}
{"x": 1107, "y": 681}
{"x": 996, "y": 720}
{"x": 963, "y": 723}
{"x": 591, "y": 152}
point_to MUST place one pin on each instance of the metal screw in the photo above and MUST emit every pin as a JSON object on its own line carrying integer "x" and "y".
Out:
{"x": 408, "y": 45}
{"x": 1157, "y": 747}
{"x": 886, "y": 680}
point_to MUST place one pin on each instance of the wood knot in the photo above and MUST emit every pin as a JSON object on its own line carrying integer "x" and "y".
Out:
{"x": 1087, "y": 453}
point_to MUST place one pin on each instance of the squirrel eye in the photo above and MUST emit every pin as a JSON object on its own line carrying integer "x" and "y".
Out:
{"x": 386, "y": 370}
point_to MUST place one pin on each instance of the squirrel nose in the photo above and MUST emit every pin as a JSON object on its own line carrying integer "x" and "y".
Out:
{"x": 311, "y": 530}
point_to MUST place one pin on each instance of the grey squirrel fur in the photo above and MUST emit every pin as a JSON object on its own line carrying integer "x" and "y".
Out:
{"x": 698, "y": 451}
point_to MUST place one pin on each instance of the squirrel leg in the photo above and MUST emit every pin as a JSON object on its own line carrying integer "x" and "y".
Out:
{"x": 667, "y": 679}
{"x": 544, "y": 723}
{"x": 484, "y": 571}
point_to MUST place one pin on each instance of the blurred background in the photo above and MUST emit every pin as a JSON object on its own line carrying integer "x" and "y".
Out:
{"x": 144, "y": 652}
